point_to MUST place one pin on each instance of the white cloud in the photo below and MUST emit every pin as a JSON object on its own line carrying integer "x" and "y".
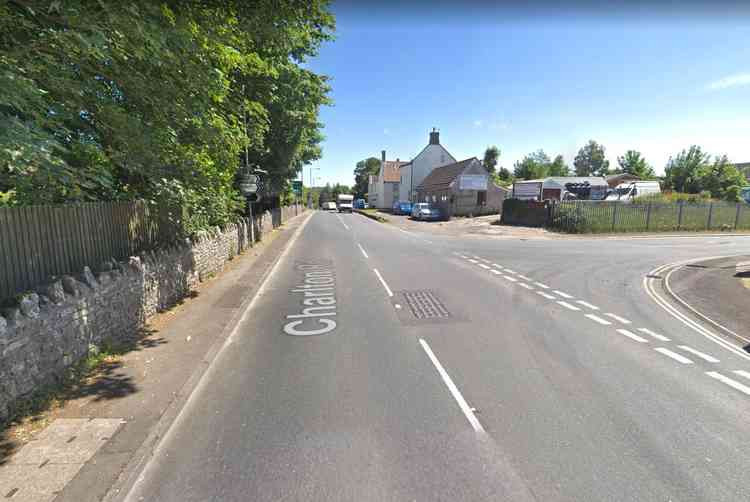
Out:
{"x": 478, "y": 123}
{"x": 730, "y": 81}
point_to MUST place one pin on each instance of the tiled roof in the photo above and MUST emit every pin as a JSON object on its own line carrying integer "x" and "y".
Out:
{"x": 391, "y": 172}
{"x": 443, "y": 176}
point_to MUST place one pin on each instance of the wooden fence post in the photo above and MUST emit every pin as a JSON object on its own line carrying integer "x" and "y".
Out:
{"x": 710, "y": 214}
{"x": 614, "y": 216}
{"x": 679, "y": 217}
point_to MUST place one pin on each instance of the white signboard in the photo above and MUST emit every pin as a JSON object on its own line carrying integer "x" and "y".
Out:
{"x": 472, "y": 182}
{"x": 527, "y": 191}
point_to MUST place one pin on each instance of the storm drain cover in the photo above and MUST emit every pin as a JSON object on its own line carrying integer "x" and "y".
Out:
{"x": 425, "y": 304}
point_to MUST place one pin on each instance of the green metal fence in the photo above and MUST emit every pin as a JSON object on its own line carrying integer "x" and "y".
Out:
{"x": 41, "y": 241}
{"x": 599, "y": 216}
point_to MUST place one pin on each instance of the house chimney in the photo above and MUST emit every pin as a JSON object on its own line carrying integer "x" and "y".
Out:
{"x": 435, "y": 137}
{"x": 382, "y": 155}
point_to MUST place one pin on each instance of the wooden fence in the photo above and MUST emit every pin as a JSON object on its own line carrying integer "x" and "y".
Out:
{"x": 41, "y": 241}
{"x": 599, "y": 216}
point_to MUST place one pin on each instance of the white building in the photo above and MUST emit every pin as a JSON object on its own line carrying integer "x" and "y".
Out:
{"x": 383, "y": 188}
{"x": 413, "y": 173}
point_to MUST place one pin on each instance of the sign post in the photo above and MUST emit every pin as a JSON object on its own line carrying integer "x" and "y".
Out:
{"x": 248, "y": 184}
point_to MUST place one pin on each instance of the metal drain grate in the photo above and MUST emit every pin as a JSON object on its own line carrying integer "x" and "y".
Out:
{"x": 424, "y": 304}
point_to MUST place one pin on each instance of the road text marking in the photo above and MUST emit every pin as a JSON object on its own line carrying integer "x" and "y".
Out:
{"x": 564, "y": 295}
{"x": 543, "y": 286}
{"x": 484, "y": 266}
{"x": 524, "y": 277}
{"x": 654, "y": 335}
{"x": 674, "y": 355}
{"x": 363, "y": 250}
{"x": 511, "y": 279}
{"x": 510, "y": 271}
{"x": 567, "y": 305}
{"x": 497, "y": 265}
{"x": 318, "y": 291}
{"x": 617, "y": 318}
{"x": 473, "y": 261}
{"x": 705, "y": 357}
{"x": 732, "y": 383}
{"x": 587, "y": 305}
{"x": 743, "y": 373}
{"x": 496, "y": 272}
{"x": 632, "y": 335}
{"x": 387, "y": 289}
{"x": 524, "y": 285}
{"x": 598, "y": 319}
{"x": 452, "y": 388}
{"x": 547, "y": 296}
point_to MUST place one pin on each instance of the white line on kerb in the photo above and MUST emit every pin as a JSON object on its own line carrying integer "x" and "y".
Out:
{"x": 617, "y": 318}
{"x": 511, "y": 279}
{"x": 567, "y": 305}
{"x": 674, "y": 355}
{"x": 524, "y": 285}
{"x": 363, "y": 250}
{"x": 654, "y": 335}
{"x": 387, "y": 289}
{"x": 484, "y": 266}
{"x": 564, "y": 295}
{"x": 543, "y": 286}
{"x": 452, "y": 388}
{"x": 705, "y": 357}
{"x": 632, "y": 335}
{"x": 547, "y": 296}
{"x": 587, "y": 305}
{"x": 743, "y": 373}
{"x": 598, "y": 319}
{"x": 732, "y": 383}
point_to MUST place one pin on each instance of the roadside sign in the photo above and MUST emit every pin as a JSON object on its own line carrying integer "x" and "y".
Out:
{"x": 297, "y": 187}
{"x": 472, "y": 182}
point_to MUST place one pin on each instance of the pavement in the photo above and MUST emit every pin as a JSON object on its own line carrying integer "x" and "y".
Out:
{"x": 385, "y": 364}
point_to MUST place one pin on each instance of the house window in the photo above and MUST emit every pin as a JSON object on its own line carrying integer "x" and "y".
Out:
{"x": 481, "y": 198}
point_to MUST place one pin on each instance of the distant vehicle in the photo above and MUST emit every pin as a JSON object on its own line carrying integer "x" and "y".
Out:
{"x": 630, "y": 190}
{"x": 329, "y": 206}
{"x": 425, "y": 211}
{"x": 561, "y": 188}
{"x": 402, "y": 207}
{"x": 345, "y": 203}
{"x": 360, "y": 204}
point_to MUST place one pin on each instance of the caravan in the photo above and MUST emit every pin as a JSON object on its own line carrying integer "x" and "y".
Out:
{"x": 632, "y": 189}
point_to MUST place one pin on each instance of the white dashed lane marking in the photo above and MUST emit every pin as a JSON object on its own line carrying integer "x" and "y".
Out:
{"x": 511, "y": 279}
{"x": 543, "y": 286}
{"x": 732, "y": 383}
{"x": 484, "y": 266}
{"x": 564, "y": 295}
{"x": 524, "y": 285}
{"x": 654, "y": 335}
{"x": 382, "y": 281}
{"x": 743, "y": 373}
{"x": 524, "y": 277}
{"x": 547, "y": 296}
{"x": 598, "y": 319}
{"x": 363, "y": 250}
{"x": 568, "y": 305}
{"x": 496, "y": 272}
{"x": 617, "y": 318}
{"x": 509, "y": 271}
{"x": 705, "y": 357}
{"x": 632, "y": 336}
{"x": 674, "y": 355}
{"x": 587, "y": 305}
{"x": 473, "y": 261}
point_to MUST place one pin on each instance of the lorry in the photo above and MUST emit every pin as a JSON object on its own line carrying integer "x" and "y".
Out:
{"x": 631, "y": 189}
{"x": 345, "y": 203}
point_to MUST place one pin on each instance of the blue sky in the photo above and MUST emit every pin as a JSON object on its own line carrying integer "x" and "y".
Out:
{"x": 524, "y": 80}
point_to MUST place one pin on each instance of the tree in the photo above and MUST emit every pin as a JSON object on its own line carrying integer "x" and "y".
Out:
{"x": 338, "y": 189}
{"x": 558, "y": 167}
{"x": 325, "y": 195}
{"x": 504, "y": 176}
{"x": 633, "y": 163}
{"x": 532, "y": 166}
{"x": 365, "y": 168}
{"x": 491, "y": 156}
{"x": 723, "y": 180}
{"x": 683, "y": 173}
{"x": 590, "y": 160}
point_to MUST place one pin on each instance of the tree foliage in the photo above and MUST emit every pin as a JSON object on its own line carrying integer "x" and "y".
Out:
{"x": 362, "y": 172}
{"x": 491, "y": 157}
{"x": 558, "y": 167}
{"x": 590, "y": 160}
{"x": 106, "y": 100}
{"x": 691, "y": 171}
{"x": 634, "y": 163}
{"x": 532, "y": 166}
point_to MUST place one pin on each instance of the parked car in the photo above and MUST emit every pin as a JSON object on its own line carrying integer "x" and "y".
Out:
{"x": 360, "y": 204}
{"x": 425, "y": 211}
{"x": 401, "y": 207}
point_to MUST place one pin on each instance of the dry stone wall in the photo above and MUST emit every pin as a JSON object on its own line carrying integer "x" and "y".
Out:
{"x": 59, "y": 323}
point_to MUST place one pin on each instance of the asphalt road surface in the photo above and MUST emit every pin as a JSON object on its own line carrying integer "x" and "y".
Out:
{"x": 379, "y": 364}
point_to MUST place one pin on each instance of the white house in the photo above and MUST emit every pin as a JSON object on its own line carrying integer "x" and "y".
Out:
{"x": 414, "y": 172}
{"x": 383, "y": 188}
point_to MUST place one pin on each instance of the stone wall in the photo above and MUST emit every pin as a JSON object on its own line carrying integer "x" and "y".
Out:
{"x": 52, "y": 328}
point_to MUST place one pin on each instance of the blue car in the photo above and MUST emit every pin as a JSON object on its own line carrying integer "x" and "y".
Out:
{"x": 360, "y": 204}
{"x": 402, "y": 207}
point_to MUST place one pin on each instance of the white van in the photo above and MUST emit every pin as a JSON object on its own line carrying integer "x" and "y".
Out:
{"x": 345, "y": 203}
{"x": 632, "y": 189}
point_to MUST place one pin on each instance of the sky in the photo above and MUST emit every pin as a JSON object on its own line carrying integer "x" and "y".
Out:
{"x": 652, "y": 79}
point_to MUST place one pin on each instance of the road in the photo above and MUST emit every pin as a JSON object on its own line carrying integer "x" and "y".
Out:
{"x": 463, "y": 369}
